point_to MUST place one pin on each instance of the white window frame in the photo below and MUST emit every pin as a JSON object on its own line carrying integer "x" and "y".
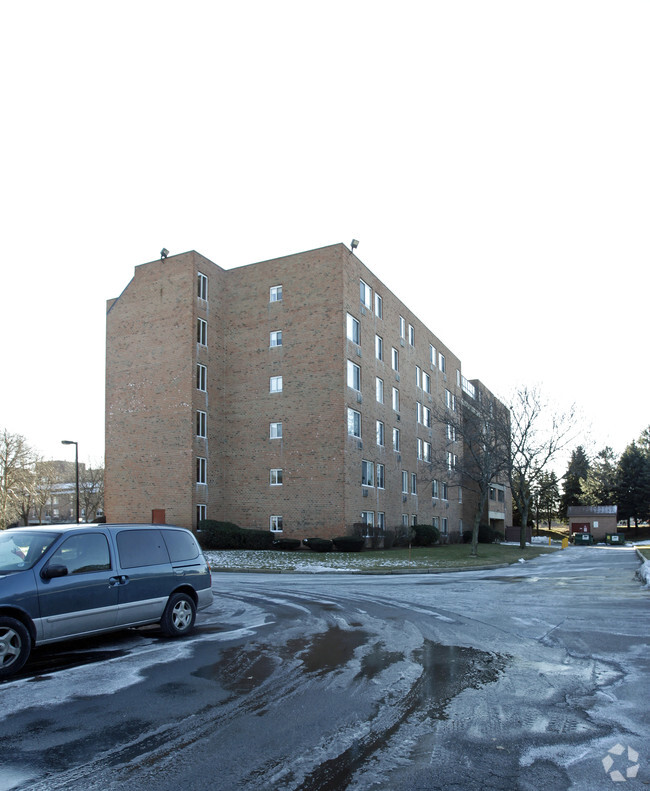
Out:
{"x": 201, "y": 423}
{"x": 379, "y": 347}
{"x": 444, "y": 526}
{"x": 353, "y": 329}
{"x": 444, "y": 490}
{"x": 201, "y": 512}
{"x": 275, "y": 430}
{"x": 275, "y": 339}
{"x": 428, "y": 452}
{"x": 365, "y": 294}
{"x": 418, "y": 376}
{"x": 201, "y": 470}
{"x": 435, "y": 490}
{"x": 426, "y": 416}
{"x": 201, "y": 377}
{"x": 426, "y": 382}
{"x": 402, "y": 328}
{"x": 411, "y": 335}
{"x": 419, "y": 443}
{"x": 432, "y": 354}
{"x": 275, "y": 476}
{"x": 354, "y": 376}
{"x": 202, "y": 332}
{"x": 379, "y": 306}
{"x": 275, "y": 384}
{"x": 379, "y": 390}
{"x": 394, "y": 359}
{"x": 396, "y": 440}
{"x": 202, "y": 286}
{"x": 414, "y": 483}
{"x": 381, "y": 476}
{"x": 395, "y": 399}
{"x": 367, "y": 473}
{"x": 380, "y": 433}
{"x": 442, "y": 363}
{"x": 275, "y": 523}
{"x": 354, "y": 423}
{"x": 405, "y": 482}
{"x": 275, "y": 293}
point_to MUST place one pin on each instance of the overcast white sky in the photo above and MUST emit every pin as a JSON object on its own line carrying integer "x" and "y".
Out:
{"x": 492, "y": 157}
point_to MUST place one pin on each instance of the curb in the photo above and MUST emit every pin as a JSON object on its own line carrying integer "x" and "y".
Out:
{"x": 360, "y": 572}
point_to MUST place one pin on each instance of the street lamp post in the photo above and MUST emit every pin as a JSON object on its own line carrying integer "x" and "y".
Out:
{"x": 76, "y": 464}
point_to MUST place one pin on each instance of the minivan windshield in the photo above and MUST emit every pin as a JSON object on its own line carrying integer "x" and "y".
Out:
{"x": 20, "y": 549}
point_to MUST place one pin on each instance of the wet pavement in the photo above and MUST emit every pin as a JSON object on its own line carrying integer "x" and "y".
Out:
{"x": 519, "y": 678}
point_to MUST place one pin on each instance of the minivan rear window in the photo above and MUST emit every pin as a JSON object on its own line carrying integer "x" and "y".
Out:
{"x": 141, "y": 548}
{"x": 181, "y": 545}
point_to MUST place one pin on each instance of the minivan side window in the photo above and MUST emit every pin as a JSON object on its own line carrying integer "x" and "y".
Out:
{"x": 141, "y": 548}
{"x": 83, "y": 553}
{"x": 181, "y": 545}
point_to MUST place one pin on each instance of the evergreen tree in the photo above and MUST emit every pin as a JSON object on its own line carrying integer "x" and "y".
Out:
{"x": 599, "y": 485}
{"x": 633, "y": 484}
{"x": 577, "y": 469}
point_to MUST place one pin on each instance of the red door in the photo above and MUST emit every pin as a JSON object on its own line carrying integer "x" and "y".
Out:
{"x": 158, "y": 516}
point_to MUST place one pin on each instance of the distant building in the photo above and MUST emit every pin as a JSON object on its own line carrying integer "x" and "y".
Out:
{"x": 597, "y": 520}
{"x": 294, "y": 395}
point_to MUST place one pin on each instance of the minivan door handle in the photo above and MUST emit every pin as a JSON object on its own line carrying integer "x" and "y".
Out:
{"x": 121, "y": 580}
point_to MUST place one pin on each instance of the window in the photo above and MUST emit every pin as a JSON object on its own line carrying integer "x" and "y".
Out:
{"x": 368, "y": 519}
{"x": 353, "y": 329}
{"x": 405, "y": 482}
{"x": 380, "y": 433}
{"x": 418, "y": 411}
{"x": 444, "y": 490}
{"x": 395, "y": 359}
{"x": 426, "y": 416}
{"x": 354, "y": 376}
{"x": 379, "y": 347}
{"x": 402, "y": 328}
{"x": 460, "y": 494}
{"x": 275, "y": 431}
{"x": 451, "y": 432}
{"x": 381, "y": 477}
{"x": 202, "y": 332}
{"x": 452, "y": 459}
{"x": 275, "y": 294}
{"x": 275, "y": 524}
{"x": 367, "y": 473}
{"x": 275, "y": 477}
{"x": 414, "y": 520}
{"x": 441, "y": 363}
{"x": 201, "y": 423}
{"x": 414, "y": 483}
{"x": 379, "y": 390}
{"x": 82, "y": 554}
{"x": 396, "y": 445}
{"x": 379, "y": 306}
{"x": 435, "y": 490}
{"x": 396, "y": 399}
{"x": 450, "y": 400}
{"x": 201, "y": 377}
{"x": 354, "y": 423}
{"x": 275, "y": 384}
{"x": 419, "y": 448}
{"x": 202, "y": 287}
{"x": 426, "y": 382}
{"x": 432, "y": 355}
{"x": 201, "y": 470}
{"x": 411, "y": 335}
{"x": 444, "y": 526}
{"x": 201, "y": 513}
{"x": 275, "y": 339}
{"x": 418, "y": 376}
{"x": 434, "y": 522}
{"x": 405, "y": 520}
{"x": 381, "y": 522}
{"x": 427, "y": 452}
{"x": 366, "y": 295}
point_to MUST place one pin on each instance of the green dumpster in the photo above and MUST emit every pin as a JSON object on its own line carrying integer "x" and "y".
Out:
{"x": 615, "y": 538}
{"x": 583, "y": 538}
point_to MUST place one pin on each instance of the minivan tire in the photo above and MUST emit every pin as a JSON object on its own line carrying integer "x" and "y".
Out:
{"x": 15, "y": 645}
{"x": 179, "y": 616}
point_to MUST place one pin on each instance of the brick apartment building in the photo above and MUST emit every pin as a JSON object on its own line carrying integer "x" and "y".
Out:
{"x": 295, "y": 395}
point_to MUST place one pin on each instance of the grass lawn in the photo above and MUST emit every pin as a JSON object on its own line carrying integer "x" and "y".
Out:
{"x": 439, "y": 557}
{"x": 645, "y": 551}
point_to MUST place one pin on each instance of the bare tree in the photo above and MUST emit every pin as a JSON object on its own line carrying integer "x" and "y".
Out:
{"x": 16, "y": 476}
{"x": 91, "y": 491}
{"x": 481, "y": 424}
{"x": 539, "y": 434}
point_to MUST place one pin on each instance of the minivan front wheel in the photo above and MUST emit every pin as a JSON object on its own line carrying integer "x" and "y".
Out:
{"x": 179, "y": 616}
{"x": 15, "y": 645}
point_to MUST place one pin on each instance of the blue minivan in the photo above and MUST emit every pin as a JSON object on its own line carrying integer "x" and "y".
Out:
{"x": 66, "y": 581}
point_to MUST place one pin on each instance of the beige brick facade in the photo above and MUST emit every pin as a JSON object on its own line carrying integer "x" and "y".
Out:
{"x": 160, "y": 332}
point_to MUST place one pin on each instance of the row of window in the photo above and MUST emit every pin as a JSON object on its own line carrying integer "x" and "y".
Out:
{"x": 440, "y": 523}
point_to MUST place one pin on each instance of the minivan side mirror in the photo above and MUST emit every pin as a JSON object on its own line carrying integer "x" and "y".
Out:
{"x": 54, "y": 570}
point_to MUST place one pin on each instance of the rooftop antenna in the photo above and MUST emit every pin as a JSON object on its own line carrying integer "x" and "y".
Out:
{"x": 164, "y": 253}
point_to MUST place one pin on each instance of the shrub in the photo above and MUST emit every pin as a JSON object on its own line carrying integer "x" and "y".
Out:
{"x": 286, "y": 544}
{"x": 349, "y": 543}
{"x": 318, "y": 544}
{"x": 389, "y": 539}
{"x": 425, "y": 535}
{"x": 486, "y": 535}
{"x": 213, "y": 534}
